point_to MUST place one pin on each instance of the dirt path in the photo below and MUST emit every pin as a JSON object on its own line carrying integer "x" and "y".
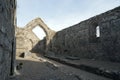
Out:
{"x": 37, "y": 68}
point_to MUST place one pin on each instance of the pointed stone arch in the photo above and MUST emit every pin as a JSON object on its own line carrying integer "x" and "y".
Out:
{"x": 38, "y": 22}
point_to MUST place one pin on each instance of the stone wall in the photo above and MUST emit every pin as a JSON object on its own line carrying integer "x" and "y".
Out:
{"x": 80, "y": 40}
{"x": 26, "y": 40}
{"x": 7, "y": 39}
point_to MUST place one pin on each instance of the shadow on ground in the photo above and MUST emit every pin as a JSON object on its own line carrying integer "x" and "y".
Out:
{"x": 39, "y": 70}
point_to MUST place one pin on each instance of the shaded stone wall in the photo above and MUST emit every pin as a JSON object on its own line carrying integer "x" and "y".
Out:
{"x": 7, "y": 39}
{"x": 80, "y": 40}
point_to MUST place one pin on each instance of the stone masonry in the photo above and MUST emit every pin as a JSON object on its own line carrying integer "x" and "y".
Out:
{"x": 26, "y": 39}
{"x": 80, "y": 40}
{"x": 7, "y": 38}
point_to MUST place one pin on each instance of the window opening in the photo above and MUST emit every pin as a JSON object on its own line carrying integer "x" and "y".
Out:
{"x": 98, "y": 31}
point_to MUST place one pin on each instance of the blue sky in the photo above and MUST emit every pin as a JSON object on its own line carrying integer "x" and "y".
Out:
{"x": 60, "y": 14}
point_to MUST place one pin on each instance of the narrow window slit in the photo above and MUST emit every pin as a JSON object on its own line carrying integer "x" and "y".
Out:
{"x": 98, "y": 31}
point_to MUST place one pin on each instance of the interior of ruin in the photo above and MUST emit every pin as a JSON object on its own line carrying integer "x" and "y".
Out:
{"x": 88, "y": 50}
{"x": 95, "y": 39}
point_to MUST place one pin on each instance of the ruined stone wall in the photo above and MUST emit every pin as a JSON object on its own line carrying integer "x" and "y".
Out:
{"x": 80, "y": 40}
{"x": 26, "y": 40}
{"x": 7, "y": 39}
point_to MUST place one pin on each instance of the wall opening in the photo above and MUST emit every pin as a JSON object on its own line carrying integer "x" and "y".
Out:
{"x": 39, "y": 32}
{"x": 97, "y": 31}
{"x": 94, "y": 33}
